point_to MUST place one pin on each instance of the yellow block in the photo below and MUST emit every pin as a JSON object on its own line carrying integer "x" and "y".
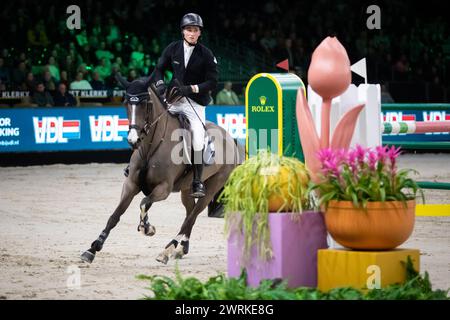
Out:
{"x": 363, "y": 269}
{"x": 433, "y": 210}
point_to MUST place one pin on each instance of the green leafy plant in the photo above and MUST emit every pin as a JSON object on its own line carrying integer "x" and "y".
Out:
{"x": 364, "y": 174}
{"x": 219, "y": 287}
{"x": 264, "y": 183}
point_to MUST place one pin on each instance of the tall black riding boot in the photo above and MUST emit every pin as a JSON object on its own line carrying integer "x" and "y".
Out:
{"x": 198, "y": 189}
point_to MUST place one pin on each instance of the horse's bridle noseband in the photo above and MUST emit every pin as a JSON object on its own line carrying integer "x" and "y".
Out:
{"x": 137, "y": 99}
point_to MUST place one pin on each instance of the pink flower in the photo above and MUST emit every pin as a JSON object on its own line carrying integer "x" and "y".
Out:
{"x": 341, "y": 155}
{"x": 352, "y": 161}
{"x": 330, "y": 167}
{"x": 330, "y": 161}
{"x": 324, "y": 154}
{"x": 373, "y": 158}
{"x": 392, "y": 153}
{"x": 360, "y": 153}
{"x": 329, "y": 72}
{"x": 382, "y": 154}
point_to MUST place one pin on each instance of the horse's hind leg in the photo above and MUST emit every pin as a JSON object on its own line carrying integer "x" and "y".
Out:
{"x": 178, "y": 247}
{"x": 160, "y": 192}
{"x": 129, "y": 190}
{"x": 189, "y": 204}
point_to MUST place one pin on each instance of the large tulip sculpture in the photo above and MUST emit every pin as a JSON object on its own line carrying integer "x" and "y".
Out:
{"x": 329, "y": 75}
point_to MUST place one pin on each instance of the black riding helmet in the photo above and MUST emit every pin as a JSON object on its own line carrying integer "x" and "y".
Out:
{"x": 191, "y": 19}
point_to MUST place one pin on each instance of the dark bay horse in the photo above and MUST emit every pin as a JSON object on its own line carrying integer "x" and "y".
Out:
{"x": 156, "y": 170}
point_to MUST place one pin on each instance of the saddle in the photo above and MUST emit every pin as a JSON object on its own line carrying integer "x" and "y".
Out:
{"x": 173, "y": 95}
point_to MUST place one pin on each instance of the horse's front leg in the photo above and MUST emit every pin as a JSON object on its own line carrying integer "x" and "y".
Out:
{"x": 129, "y": 190}
{"x": 160, "y": 192}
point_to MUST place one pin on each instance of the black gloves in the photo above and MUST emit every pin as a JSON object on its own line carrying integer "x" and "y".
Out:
{"x": 160, "y": 88}
{"x": 186, "y": 90}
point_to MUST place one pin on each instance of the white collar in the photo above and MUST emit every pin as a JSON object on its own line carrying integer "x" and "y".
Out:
{"x": 187, "y": 46}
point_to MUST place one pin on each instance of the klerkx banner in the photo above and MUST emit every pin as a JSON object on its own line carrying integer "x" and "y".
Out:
{"x": 80, "y": 129}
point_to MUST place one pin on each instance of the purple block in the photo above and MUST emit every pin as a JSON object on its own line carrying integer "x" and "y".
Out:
{"x": 294, "y": 246}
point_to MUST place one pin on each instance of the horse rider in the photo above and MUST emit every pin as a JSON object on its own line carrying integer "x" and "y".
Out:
{"x": 194, "y": 69}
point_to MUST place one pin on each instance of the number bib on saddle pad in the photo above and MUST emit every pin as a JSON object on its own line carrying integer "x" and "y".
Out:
{"x": 208, "y": 151}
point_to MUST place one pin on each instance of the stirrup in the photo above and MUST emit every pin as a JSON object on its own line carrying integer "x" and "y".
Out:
{"x": 198, "y": 190}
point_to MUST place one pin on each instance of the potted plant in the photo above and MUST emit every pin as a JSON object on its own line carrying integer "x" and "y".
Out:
{"x": 369, "y": 203}
{"x": 272, "y": 229}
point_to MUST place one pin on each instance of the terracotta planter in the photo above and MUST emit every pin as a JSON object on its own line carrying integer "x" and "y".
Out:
{"x": 381, "y": 226}
{"x": 294, "y": 243}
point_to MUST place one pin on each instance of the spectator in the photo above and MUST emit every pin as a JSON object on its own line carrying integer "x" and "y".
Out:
{"x": 70, "y": 67}
{"x": 30, "y": 82}
{"x": 4, "y": 71}
{"x": 111, "y": 81}
{"x": 137, "y": 57}
{"x": 119, "y": 63}
{"x": 227, "y": 96}
{"x": 41, "y": 97}
{"x": 19, "y": 75}
{"x": 120, "y": 51}
{"x": 96, "y": 82}
{"x": 148, "y": 66}
{"x": 80, "y": 83}
{"x": 83, "y": 68}
{"x": 53, "y": 68}
{"x": 104, "y": 53}
{"x": 103, "y": 70}
{"x": 132, "y": 75}
{"x": 63, "y": 78}
{"x": 49, "y": 82}
{"x": 113, "y": 31}
{"x": 88, "y": 55}
{"x": 64, "y": 98}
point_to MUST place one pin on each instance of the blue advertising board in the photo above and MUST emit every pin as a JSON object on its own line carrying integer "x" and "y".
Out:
{"x": 63, "y": 129}
{"x": 80, "y": 129}
{"x": 416, "y": 112}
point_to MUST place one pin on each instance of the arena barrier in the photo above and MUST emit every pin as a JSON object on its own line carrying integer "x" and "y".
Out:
{"x": 87, "y": 128}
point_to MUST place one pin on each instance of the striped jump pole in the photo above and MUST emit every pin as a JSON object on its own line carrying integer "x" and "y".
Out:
{"x": 415, "y": 127}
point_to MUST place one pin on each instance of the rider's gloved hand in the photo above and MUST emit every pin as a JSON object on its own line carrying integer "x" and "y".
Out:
{"x": 186, "y": 90}
{"x": 160, "y": 88}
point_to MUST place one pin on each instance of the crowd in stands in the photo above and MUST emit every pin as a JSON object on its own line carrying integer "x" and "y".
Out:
{"x": 39, "y": 51}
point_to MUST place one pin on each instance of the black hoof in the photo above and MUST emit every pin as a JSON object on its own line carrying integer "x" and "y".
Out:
{"x": 88, "y": 257}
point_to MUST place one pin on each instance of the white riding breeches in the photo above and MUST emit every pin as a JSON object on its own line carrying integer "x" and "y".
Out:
{"x": 198, "y": 132}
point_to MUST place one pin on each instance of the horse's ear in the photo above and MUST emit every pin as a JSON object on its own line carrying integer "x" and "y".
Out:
{"x": 122, "y": 81}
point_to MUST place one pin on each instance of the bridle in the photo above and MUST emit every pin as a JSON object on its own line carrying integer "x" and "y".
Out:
{"x": 138, "y": 99}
